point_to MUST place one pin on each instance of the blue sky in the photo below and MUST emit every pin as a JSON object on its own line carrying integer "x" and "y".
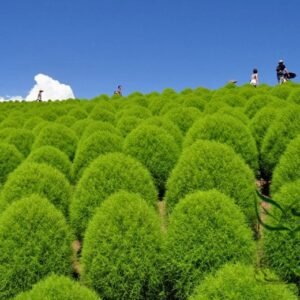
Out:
{"x": 94, "y": 45}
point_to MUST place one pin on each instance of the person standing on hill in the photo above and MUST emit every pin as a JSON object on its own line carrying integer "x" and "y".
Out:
{"x": 39, "y": 97}
{"x": 282, "y": 72}
{"x": 118, "y": 91}
{"x": 254, "y": 78}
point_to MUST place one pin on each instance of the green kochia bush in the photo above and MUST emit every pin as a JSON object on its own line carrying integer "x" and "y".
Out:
{"x": 100, "y": 114}
{"x": 121, "y": 253}
{"x": 57, "y": 287}
{"x": 98, "y": 143}
{"x": 58, "y": 136}
{"x": 10, "y": 158}
{"x": 210, "y": 165}
{"x": 155, "y": 149}
{"x": 284, "y": 128}
{"x": 34, "y": 242}
{"x": 206, "y": 230}
{"x": 183, "y": 117}
{"x": 104, "y": 176}
{"x": 44, "y": 180}
{"x": 282, "y": 248}
{"x": 127, "y": 123}
{"x": 53, "y": 157}
{"x": 239, "y": 281}
{"x": 288, "y": 168}
{"x": 66, "y": 120}
{"x": 228, "y": 130}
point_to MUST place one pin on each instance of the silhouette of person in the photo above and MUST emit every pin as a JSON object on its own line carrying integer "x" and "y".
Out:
{"x": 39, "y": 97}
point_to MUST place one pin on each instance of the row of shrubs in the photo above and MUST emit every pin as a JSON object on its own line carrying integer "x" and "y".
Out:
{"x": 76, "y": 174}
{"x": 125, "y": 254}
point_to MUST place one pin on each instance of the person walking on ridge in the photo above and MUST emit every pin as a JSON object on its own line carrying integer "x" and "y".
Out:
{"x": 254, "y": 78}
{"x": 282, "y": 72}
{"x": 118, "y": 91}
{"x": 39, "y": 97}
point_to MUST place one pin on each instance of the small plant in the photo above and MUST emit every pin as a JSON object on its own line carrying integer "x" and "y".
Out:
{"x": 57, "y": 287}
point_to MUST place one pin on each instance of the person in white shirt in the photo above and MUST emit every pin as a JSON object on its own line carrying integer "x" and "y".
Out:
{"x": 254, "y": 78}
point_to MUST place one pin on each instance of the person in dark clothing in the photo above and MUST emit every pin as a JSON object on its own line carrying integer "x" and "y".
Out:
{"x": 118, "y": 91}
{"x": 282, "y": 72}
{"x": 39, "y": 97}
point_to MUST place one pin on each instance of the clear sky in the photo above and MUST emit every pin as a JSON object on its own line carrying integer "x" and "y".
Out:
{"x": 145, "y": 45}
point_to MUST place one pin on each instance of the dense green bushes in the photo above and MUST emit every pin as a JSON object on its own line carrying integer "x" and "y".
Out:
{"x": 288, "y": 168}
{"x": 126, "y": 233}
{"x": 44, "y": 180}
{"x": 206, "y": 230}
{"x": 94, "y": 126}
{"x": 238, "y": 281}
{"x": 58, "y": 136}
{"x": 127, "y": 123}
{"x": 284, "y": 128}
{"x": 98, "y": 143}
{"x": 102, "y": 114}
{"x": 34, "y": 242}
{"x": 10, "y": 158}
{"x": 210, "y": 165}
{"x": 57, "y": 287}
{"x": 282, "y": 248}
{"x": 228, "y": 130}
{"x": 53, "y": 157}
{"x": 155, "y": 149}
{"x": 104, "y": 176}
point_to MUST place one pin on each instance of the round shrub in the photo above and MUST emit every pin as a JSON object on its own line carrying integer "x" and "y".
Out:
{"x": 57, "y": 287}
{"x": 44, "y": 180}
{"x": 284, "y": 128}
{"x": 121, "y": 253}
{"x": 281, "y": 91}
{"x": 288, "y": 168}
{"x": 235, "y": 112}
{"x": 58, "y": 136}
{"x": 37, "y": 129}
{"x": 94, "y": 126}
{"x": 79, "y": 126}
{"x": 156, "y": 104}
{"x": 53, "y": 157}
{"x": 294, "y": 96}
{"x": 168, "y": 126}
{"x": 32, "y": 122}
{"x": 127, "y": 123}
{"x": 257, "y": 102}
{"x": 134, "y": 111}
{"x": 78, "y": 113}
{"x": 282, "y": 248}
{"x": 12, "y": 122}
{"x": 239, "y": 281}
{"x": 66, "y": 120}
{"x": 104, "y": 176}
{"x": 10, "y": 158}
{"x": 194, "y": 101}
{"x": 100, "y": 114}
{"x": 261, "y": 122}
{"x": 97, "y": 144}
{"x": 183, "y": 117}
{"x": 49, "y": 114}
{"x": 155, "y": 149}
{"x": 210, "y": 165}
{"x": 34, "y": 242}
{"x": 206, "y": 230}
{"x": 228, "y": 130}
{"x": 22, "y": 139}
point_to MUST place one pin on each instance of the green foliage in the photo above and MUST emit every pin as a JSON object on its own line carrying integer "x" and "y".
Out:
{"x": 281, "y": 248}
{"x": 156, "y": 104}
{"x": 183, "y": 117}
{"x": 67, "y": 120}
{"x": 12, "y": 122}
{"x": 238, "y": 281}
{"x": 57, "y": 287}
{"x": 127, "y": 123}
{"x": 34, "y": 242}
{"x": 261, "y": 122}
{"x": 134, "y": 111}
{"x": 257, "y": 102}
{"x": 220, "y": 100}
{"x": 194, "y": 101}
{"x": 102, "y": 114}
{"x": 78, "y": 113}
{"x": 10, "y": 158}
{"x": 104, "y": 176}
{"x": 294, "y": 96}
{"x": 97, "y": 144}
{"x": 44, "y": 180}
{"x": 284, "y": 128}
{"x": 79, "y": 126}
{"x": 32, "y": 122}
{"x": 281, "y": 91}
{"x": 228, "y": 130}
{"x": 235, "y": 112}
{"x": 122, "y": 249}
{"x": 95, "y": 126}
{"x": 155, "y": 149}
{"x": 206, "y": 230}
{"x": 211, "y": 165}
{"x": 288, "y": 167}
{"x": 59, "y": 136}
{"x": 53, "y": 157}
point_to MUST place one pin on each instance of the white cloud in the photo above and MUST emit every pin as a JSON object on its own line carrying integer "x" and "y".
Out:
{"x": 52, "y": 88}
